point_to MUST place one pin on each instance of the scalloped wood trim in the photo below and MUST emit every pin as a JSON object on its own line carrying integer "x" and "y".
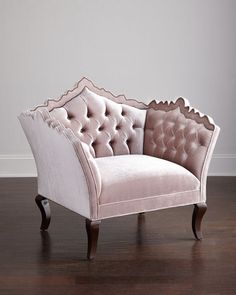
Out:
{"x": 78, "y": 88}
{"x": 181, "y": 103}
{"x": 185, "y": 108}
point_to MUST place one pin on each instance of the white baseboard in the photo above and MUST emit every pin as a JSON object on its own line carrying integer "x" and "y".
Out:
{"x": 17, "y": 166}
{"x": 24, "y": 165}
{"x": 223, "y": 165}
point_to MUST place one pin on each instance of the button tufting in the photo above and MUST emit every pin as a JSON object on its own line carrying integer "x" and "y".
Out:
{"x": 104, "y": 125}
{"x": 89, "y": 114}
{"x": 201, "y": 141}
{"x": 93, "y": 144}
{"x": 69, "y": 116}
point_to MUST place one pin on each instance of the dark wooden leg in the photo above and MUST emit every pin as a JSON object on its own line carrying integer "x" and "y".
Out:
{"x": 198, "y": 213}
{"x": 140, "y": 228}
{"x": 92, "y": 228}
{"x": 44, "y": 208}
{"x": 141, "y": 218}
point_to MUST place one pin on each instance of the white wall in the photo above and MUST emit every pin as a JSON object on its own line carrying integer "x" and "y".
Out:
{"x": 145, "y": 49}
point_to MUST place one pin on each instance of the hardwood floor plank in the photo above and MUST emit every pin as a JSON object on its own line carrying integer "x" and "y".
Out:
{"x": 155, "y": 253}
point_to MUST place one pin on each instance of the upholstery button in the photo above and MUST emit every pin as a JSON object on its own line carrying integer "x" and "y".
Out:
{"x": 93, "y": 144}
{"x": 83, "y": 129}
{"x": 107, "y": 113}
{"x": 89, "y": 114}
{"x": 69, "y": 116}
{"x": 118, "y": 127}
{"x": 122, "y": 113}
{"x": 101, "y": 128}
{"x": 201, "y": 141}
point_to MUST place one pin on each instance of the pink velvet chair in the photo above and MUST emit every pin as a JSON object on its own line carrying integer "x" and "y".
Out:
{"x": 103, "y": 156}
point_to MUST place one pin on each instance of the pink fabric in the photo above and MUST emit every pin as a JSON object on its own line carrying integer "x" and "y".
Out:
{"x": 107, "y": 127}
{"x": 131, "y": 177}
{"x": 148, "y": 204}
{"x": 58, "y": 157}
{"x": 170, "y": 135}
{"x": 75, "y": 140}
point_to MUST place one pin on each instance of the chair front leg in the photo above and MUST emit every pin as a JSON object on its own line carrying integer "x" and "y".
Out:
{"x": 198, "y": 213}
{"x": 92, "y": 228}
{"x": 44, "y": 208}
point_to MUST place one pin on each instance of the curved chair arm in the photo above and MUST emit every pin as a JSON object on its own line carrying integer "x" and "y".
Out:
{"x": 67, "y": 172}
{"x": 176, "y": 132}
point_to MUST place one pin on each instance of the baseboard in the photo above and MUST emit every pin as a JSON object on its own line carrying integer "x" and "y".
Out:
{"x": 223, "y": 165}
{"x": 24, "y": 165}
{"x": 17, "y": 166}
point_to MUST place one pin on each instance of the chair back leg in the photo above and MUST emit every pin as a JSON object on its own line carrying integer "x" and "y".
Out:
{"x": 198, "y": 213}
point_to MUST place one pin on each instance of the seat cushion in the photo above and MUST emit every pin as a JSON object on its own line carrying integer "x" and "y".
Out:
{"x": 130, "y": 177}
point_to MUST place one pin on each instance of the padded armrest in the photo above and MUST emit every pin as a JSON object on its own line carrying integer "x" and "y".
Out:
{"x": 67, "y": 172}
{"x": 176, "y": 132}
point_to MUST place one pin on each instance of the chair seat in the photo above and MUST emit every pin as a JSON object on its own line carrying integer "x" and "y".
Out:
{"x": 130, "y": 177}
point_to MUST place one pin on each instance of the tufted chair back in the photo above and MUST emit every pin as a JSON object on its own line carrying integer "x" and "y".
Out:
{"x": 172, "y": 132}
{"x": 109, "y": 128}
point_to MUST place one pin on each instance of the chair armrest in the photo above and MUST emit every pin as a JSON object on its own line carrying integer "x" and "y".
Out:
{"x": 176, "y": 132}
{"x": 67, "y": 172}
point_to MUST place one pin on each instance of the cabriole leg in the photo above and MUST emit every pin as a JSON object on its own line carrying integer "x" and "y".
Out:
{"x": 44, "y": 208}
{"x": 198, "y": 213}
{"x": 92, "y": 228}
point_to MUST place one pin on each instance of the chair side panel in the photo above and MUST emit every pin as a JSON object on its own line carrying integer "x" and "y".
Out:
{"x": 60, "y": 175}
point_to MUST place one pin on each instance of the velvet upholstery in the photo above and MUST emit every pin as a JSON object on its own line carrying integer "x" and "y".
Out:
{"x": 107, "y": 127}
{"x": 140, "y": 176}
{"x": 148, "y": 204}
{"x": 170, "y": 135}
{"x": 61, "y": 177}
{"x": 102, "y": 155}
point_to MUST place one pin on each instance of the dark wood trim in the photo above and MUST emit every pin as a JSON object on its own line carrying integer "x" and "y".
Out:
{"x": 92, "y": 228}
{"x": 198, "y": 213}
{"x": 44, "y": 207}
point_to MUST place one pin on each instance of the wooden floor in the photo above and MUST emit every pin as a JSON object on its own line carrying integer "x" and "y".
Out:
{"x": 154, "y": 255}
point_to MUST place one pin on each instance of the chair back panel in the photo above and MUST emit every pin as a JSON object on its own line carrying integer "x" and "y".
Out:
{"x": 109, "y": 128}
